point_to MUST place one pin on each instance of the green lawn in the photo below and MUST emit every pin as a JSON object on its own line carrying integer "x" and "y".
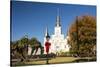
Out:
{"x": 52, "y": 61}
{"x": 62, "y": 59}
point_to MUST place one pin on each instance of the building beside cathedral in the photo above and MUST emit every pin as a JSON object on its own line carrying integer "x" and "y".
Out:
{"x": 58, "y": 41}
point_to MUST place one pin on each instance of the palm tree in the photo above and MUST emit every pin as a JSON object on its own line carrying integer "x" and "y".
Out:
{"x": 23, "y": 44}
{"x": 35, "y": 44}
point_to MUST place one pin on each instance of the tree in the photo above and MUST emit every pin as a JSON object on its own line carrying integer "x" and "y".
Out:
{"x": 19, "y": 48}
{"x": 82, "y": 35}
{"x": 23, "y": 45}
{"x": 24, "y": 41}
{"x": 15, "y": 49}
{"x": 35, "y": 44}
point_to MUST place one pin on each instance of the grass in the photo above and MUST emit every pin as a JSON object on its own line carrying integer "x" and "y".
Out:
{"x": 62, "y": 59}
{"x": 51, "y": 61}
{"x": 54, "y": 60}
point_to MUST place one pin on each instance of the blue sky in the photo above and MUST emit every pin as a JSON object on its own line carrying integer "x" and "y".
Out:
{"x": 31, "y": 18}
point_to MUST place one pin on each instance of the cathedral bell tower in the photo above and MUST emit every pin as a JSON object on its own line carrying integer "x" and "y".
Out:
{"x": 58, "y": 19}
{"x": 46, "y": 32}
{"x": 58, "y": 25}
{"x": 45, "y": 39}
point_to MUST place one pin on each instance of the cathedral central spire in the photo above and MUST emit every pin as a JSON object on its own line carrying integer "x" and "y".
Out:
{"x": 58, "y": 19}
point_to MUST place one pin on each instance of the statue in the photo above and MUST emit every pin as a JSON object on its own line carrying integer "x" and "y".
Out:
{"x": 47, "y": 46}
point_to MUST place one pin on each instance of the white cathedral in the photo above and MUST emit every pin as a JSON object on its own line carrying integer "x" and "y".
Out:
{"x": 59, "y": 43}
